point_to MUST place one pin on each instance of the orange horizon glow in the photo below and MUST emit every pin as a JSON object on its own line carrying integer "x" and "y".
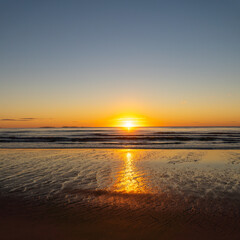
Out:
{"x": 126, "y": 121}
{"x": 127, "y": 125}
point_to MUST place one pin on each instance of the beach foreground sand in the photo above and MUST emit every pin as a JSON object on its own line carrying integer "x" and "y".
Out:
{"x": 21, "y": 220}
{"x": 120, "y": 194}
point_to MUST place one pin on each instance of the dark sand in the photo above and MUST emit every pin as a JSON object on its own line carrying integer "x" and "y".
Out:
{"x": 21, "y": 219}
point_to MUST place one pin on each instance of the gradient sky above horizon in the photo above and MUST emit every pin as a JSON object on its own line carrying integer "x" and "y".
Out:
{"x": 86, "y": 63}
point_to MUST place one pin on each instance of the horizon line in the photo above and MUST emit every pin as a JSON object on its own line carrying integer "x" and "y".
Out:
{"x": 227, "y": 126}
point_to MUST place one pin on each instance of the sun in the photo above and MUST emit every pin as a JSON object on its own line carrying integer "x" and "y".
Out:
{"x": 128, "y": 124}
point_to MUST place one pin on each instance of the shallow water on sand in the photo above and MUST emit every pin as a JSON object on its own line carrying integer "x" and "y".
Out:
{"x": 151, "y": 188}
{"x": 48, "y": 173}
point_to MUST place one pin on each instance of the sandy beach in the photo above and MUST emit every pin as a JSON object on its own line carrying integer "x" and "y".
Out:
{"x": 120, "y": 194}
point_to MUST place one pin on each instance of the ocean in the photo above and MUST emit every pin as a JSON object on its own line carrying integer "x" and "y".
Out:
{"x": 141, "y": 138}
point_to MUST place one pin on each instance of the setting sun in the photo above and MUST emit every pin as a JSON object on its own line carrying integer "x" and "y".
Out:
{"x": 128, "y": 124}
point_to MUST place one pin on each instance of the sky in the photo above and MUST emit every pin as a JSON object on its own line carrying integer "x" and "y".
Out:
{"x": 93, "y": 62}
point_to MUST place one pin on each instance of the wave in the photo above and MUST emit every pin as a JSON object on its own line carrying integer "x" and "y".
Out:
{"x": 96, "y": 137}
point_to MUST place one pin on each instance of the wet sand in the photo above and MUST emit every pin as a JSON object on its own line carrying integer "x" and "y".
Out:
{"x": 120, "y": 194}
{"x": 21, "y": 220}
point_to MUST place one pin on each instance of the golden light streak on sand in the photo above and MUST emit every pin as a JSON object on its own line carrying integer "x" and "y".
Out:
{"x": 129, "y": 179}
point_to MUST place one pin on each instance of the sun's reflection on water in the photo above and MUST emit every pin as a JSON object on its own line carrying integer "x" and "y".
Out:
{"x": 129, "y": 179}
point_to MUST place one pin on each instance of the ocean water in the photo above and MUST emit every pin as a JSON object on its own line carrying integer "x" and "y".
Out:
{"x": 142, "y": 138}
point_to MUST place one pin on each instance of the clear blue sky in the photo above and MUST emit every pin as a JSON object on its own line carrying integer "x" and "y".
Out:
{"x": 90, "y": 59}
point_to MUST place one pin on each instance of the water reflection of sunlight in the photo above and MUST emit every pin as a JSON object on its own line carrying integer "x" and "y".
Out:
{"x": 129, "y": 178}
